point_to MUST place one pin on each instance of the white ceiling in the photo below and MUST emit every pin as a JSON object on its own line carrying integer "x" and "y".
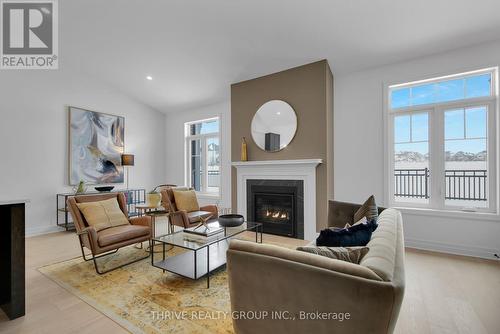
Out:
{"x": 195, "y": 49}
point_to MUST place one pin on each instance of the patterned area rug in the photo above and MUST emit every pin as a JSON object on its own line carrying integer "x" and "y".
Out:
{"x": 143, "y": 299}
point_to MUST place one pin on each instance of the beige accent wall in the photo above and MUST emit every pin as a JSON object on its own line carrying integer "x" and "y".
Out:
{"x": 309, "y": 90}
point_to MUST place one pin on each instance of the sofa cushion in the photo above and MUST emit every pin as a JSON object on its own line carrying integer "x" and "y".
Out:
{"x": 348, "y": 254}
{"x": 186, "y": 200}
{"x": 357, "y": 235}
{"x": 368, "y": 209}
{"x": 103, "y": 214}
{"x": 114, "y": 235}
{"x": 381, "y": 256}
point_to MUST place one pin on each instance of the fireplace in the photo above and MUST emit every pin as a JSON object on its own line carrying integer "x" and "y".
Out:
{"x": 278, "y": 205}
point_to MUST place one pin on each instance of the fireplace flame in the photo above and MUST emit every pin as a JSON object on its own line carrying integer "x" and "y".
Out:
{"x": 277, "y": 214}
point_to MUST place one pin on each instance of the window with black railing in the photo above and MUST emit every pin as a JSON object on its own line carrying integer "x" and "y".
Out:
{"x": 443, "y": 132}
{"x": 464, "y": 185}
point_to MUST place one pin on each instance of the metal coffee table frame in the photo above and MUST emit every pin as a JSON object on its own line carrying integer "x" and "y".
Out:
{"x": 188, "y": 264}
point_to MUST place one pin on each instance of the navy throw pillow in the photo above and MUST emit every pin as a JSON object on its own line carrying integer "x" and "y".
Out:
{"x": 357, "y": 235}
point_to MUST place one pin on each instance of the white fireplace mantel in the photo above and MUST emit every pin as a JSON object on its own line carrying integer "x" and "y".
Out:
{"x": 300, "y": 169}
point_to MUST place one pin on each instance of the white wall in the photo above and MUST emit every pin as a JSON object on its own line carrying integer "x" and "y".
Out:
{"x": 175, "y": 159}
{"x": 359, "y": 149}
{"x": 34, "y": 137}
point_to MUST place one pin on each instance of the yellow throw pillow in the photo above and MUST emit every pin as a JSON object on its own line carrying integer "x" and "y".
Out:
{"x": 103, "y": 214}
{"x": 186, "y": 200}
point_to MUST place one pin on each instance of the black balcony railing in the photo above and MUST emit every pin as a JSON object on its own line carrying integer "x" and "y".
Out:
{"x": 466, "y": 185}
{"x": 411, "y": 183}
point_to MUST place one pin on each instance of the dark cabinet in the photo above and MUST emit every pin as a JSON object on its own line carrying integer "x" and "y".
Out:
{"x": 12, "y": 275}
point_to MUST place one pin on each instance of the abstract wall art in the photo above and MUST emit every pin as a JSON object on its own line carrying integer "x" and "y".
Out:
{"x": 96, "y": 142}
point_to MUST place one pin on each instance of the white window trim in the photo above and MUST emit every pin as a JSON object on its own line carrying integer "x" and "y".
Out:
{"x": 187, "y": 156}
{"x": 436, "y": 113}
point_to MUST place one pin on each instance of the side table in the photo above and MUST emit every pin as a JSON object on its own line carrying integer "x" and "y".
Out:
{"x": 154, "y": 212}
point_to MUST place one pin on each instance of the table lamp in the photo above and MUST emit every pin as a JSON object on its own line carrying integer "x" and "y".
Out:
{"x": 127, "y": 161}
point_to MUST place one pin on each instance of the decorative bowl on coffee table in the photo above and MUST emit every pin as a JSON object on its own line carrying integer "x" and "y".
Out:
{"x": 231, "y": 220}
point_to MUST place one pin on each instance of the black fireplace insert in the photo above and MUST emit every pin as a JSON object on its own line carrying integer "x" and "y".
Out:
{"x": 278, "y": 205}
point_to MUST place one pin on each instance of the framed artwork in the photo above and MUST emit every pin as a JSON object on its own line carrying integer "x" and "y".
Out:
{"x": 96, "y": 142}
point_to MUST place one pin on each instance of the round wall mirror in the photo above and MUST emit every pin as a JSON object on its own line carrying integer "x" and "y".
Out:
{"x": 274, "y": 125}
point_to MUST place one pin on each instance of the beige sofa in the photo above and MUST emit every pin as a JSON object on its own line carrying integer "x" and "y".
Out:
{"x": 266, "y": 278}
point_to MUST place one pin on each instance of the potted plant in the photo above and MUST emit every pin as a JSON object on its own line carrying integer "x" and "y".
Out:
{"x": 153, "y": 198}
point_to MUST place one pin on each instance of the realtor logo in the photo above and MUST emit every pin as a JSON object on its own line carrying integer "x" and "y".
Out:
{"x": 29, "y": 38}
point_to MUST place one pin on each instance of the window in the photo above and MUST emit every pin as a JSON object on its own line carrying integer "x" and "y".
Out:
{"x": 203, "y": 155}
{"x": 442, "y": 142}
{"x": 438, "y": 91}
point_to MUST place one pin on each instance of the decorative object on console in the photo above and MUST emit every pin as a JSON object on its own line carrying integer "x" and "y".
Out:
{"x": 274, "y": 126}
{"x": 104, "y": 188}
{"x": 127, "y": 160}
{"x": 244, "y": 153}
{"x": 231, "y": 220}
{"x": 348, "y": 254}
{"x": 81, "y": 188}
{"x": 96, "y": 141}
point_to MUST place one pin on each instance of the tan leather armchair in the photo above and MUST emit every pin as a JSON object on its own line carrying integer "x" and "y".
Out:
{"x": 182, "y": 218}
{"x": 108, "y": 241}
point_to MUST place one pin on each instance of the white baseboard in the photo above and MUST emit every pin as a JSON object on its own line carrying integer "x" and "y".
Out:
{"x": 474, "y": 251}
{"x": 34, "y": 231}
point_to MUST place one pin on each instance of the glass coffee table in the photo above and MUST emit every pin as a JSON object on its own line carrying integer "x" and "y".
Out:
{"x": 202, "y": 257}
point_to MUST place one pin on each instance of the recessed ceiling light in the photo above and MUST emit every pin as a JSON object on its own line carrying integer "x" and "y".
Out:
{"x": 278, "y": 113}
{"x": 149, "y": 77}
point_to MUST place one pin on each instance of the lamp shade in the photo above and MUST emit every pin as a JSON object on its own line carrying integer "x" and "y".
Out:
{"x": 127, "y": 159}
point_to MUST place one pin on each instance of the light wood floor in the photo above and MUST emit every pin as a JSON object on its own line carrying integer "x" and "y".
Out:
{"x": 444, "y": 294}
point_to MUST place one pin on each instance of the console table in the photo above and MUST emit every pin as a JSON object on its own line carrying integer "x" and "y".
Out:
{"x": 12, "y": 284}
{"x": 133, "y": 197}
